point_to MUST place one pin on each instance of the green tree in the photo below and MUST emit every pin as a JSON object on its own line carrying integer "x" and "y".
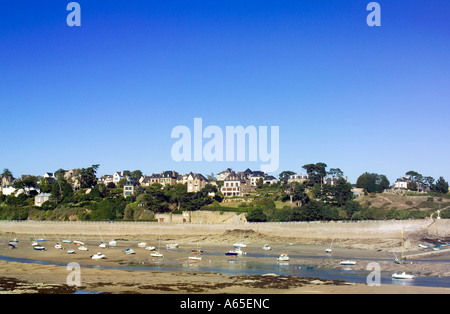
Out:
{"x": 372, "y": 182}
{"x": 441, "y": 186}
{"x": 316, "y": 172}
{"x": 256, "y": 215}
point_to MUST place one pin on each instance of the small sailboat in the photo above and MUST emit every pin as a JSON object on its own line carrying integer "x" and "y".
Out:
{"x": 348, "y": 263}
{"x": 128, "y": 251}
{"x": 103, "y": 245}
{"x": 83, "y": 248}
{"x": 150, "y": 248}
{"x": 283, "y": 257}
{"x": 240, "y": 245}
{"x": 329, "y": 250}
{"x": 99, "y": 255}
{"x": 71, "y": 251}
{"x": 58, "y": 246}
{"x": 79, "y": 243}
{"x": 171, "y": 246}
{"x": 402, "y": 276}
{"x": 39, "y": 248}
{"x": 266, "y": 247}
{"x": 142, "y": 244}
{"x": 34, "y": 243}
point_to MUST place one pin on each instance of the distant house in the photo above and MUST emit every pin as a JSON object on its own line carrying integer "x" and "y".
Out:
{"x": 168, "y": 177}
{"x": 41, "y": 199}
{"x": 232, "y": 187}
{"x": 129, "y": 188}
{"x": 117, "y": 176}
{"x": 194, "y": 181}
{"x": 300, "y": 178}
{"x": 269, "y": 180}
{"x": 255, "y": 176}
{"x": 50, "y": 177}
{"x": 402, "y": 183}
{"x": 106, "y": 179}
{"x": 221, "y": 176}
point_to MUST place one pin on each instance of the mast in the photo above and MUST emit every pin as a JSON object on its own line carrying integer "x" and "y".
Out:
{"x": 402, "y": 248}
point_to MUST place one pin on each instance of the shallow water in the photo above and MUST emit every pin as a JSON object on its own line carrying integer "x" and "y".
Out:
{"x": 256, "y": 265}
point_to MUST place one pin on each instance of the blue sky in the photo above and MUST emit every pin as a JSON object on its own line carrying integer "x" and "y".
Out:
{"x": 110, "y": 92}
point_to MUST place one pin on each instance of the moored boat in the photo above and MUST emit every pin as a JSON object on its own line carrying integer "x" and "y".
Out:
{"x": 402, "y": 276}
{"x": 172, "y": 246}
{"x": 99, "y": 255}
{"x": 39, "y": 248}
{"x": 348, "y": 263}
{"x": 156, "y": 254}
{"x": 283, "y": 257}
{"x": 128, "y": 251}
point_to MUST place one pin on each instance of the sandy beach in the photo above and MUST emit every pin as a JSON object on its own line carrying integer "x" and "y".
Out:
{"x": 174, "y": 274}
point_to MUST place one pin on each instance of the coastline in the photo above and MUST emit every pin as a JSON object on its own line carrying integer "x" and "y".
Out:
{"x": 112, "y": 276}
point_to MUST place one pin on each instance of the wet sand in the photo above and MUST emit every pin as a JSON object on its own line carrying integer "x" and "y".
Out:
{"x": 190, "y": 279}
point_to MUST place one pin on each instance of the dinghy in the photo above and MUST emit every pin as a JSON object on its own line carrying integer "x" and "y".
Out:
{"x": 402, "y": 276}
{"x": 348, "y": 262}
{"x": 39, "y": 248}
{"x": 156, "y": 254}
{"x": 283, "y": 258}
{"x": 128, "y": 251}
{"x": 98, "y": 256}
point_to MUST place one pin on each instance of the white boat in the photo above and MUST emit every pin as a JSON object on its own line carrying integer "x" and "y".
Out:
{"x": 142, "y": 244}
{"x": 102, "y": 245}
{"x": 156, "y": 254}
{"x": 58, "y": 246}
{"x": 34, "y": 243}
{"x": 424, "y": 246}
{"x": 39, "y": 248}
{"x": 98, "y": 256}
{"x": 240, "y": 245}
{"x": 402, "y": 276}
{"x": 196, "y": 257}
{"x": 113, "y": 243}
{"x": 78, "y": 243}
{"x": 83, "y": 248}
{"x": 266, "y": 247}
{"x": 128, "y": 251}
{"x": 348, "y": 262}
{"x": 150, "y": 248}
{"x": 172, "y": 246}
{"x": 71, "y": 251}
{"x": 283, "y": 257}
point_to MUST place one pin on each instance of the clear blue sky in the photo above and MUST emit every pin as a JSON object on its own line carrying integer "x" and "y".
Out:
{"x": 358, "y": 98}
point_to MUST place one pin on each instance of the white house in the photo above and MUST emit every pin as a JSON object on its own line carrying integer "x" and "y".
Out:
{"x": 117, "y": 176}
{"x": 41, "y": 199}
{"x": 231, "y": 187}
